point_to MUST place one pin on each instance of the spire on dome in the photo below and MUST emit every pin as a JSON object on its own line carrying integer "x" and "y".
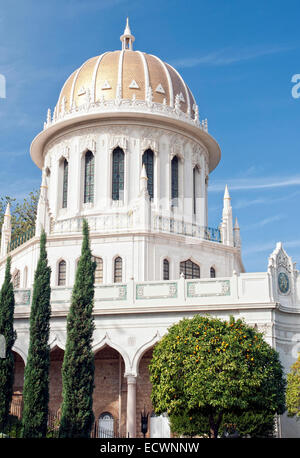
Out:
{"x": 127, "y": 38}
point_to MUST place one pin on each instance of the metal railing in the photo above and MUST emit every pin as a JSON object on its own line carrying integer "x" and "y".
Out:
{"x": 117, "y": 222}
{"x": 180, "y": 227}
{"x": 17, "y": 241}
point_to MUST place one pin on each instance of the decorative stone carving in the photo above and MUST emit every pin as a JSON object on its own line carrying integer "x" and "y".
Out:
{"x": 148, "y": 143}
{"x": 281, "y": 268}
{"x": 119, "y": 140}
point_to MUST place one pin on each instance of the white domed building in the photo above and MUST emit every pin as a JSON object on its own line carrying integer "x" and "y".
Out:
{"x": 125, "y": 149}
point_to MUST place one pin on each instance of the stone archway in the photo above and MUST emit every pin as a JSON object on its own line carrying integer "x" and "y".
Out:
{"x": 110, "y": 392}
{"x": 55, "y": 380}
{"x": 158, "y": 426}
{"x": 16, "y": 406}
{"x": 143, "y": 391}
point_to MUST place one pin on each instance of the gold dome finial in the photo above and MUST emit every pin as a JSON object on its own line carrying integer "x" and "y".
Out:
{"x": 127, "y": 38}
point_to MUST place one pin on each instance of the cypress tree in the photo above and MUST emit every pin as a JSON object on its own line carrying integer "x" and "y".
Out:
{"x": 7, "y": 306}
{"x": 36, "y": 383}
{"x": 78, "y": 365}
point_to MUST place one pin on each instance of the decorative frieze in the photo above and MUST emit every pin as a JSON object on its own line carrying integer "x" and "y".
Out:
{"x": 208, "y": 288}
{"x": 156, "y": 290}
{"x": 111, "y": 293}
{"x": 22, "y": 296}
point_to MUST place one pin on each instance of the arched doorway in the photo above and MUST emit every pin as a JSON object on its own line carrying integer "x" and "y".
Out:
{"x": 17, "y": 398}
{"x": 106, "y": 425}
{"x": 110, "y": 393}
{"x": 55, "y": 379}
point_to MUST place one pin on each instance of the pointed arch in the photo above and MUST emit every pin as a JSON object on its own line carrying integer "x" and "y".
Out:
{"x": 118, "y": 269}
{"x": 99, "y": 269}
{"x": 175, "y": 180}
{"x": 142, "y": 350}
{"x": 16, "y": 279}
{"x": 118, "y": 175}
{"x": 106, "y": 341}
{"x": 189, "y": 269}
{"x": 89, "y": 172}
{"x": 166, "y": 269}
{"x": 61, "y": 273}
{"x": 212, "y": 272}
{"x": 148, "y": 160}
{"x": 65, "y": 170}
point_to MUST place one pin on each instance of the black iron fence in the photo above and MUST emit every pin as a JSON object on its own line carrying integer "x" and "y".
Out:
{"x": 13, "y": 428}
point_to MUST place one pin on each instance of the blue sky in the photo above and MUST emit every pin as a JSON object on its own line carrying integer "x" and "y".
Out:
{"x": 237, "y": 57}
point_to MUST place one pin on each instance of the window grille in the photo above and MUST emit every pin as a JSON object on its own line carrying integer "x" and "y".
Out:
{"x": 118, "y": 270}
{"x": 65, "y": 184}
{"x": 194, "y": 190}
{"x": 148, "y": 160}
{"x": 89, "y": 166}
{"x": 189, "y": 269}
{"x": 174, "y": 173}
{"x": 118, "y": 174}
{"x": 166, "y": 270}
{"x": 212, "y": 272}
{"x": 99, "y": 270}
{"x": 62, "y": 272}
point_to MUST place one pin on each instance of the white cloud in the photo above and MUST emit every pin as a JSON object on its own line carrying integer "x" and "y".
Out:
{"x": 228, "y": 56}
{"x": 237, "y": 184}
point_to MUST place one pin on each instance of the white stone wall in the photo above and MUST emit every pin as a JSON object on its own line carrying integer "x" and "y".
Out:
{"x": 134, "y": 140}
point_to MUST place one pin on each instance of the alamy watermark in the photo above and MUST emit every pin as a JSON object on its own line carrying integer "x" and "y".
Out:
{"x": 2, "y": 87}
{"x": 296, "y": 88}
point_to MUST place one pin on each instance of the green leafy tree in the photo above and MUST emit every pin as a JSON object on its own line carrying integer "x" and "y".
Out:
{"x": 36, "y": 383}
{"x": 293, "y": 390}
{"x": 216, "y": 369}
{"x": 23, "y": 214}
{"x": 78, "y": 365}
{"x": 7, "y": 306}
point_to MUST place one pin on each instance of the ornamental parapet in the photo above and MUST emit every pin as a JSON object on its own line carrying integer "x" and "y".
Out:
{"x": 125, "y": 106}
{"x": 244, "y": 291}
{"x": 129, "y": 221}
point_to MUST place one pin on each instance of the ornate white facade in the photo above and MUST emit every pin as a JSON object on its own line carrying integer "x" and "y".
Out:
{"x": 132, "y": 102}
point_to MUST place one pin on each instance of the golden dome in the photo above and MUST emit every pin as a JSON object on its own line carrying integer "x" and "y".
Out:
{"x": 126, "y": 74}
{"x": 126, "y": 84}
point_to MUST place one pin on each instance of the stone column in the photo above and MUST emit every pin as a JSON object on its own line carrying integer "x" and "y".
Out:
{"x": 131, "y": 406}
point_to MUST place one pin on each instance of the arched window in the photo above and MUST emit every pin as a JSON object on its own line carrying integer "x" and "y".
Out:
{"x": 166, "y": 270}
{"x": 189, "y": 269}
{"x": 25, "y": 275}
{"x": 99, "y": 270}
{"x": 194, "y": 190}
{"x": 106, "y": 425}
{"x": 62, "y": 271}
{"x": 16, "y": 279}
{"x": 65, "y": 184}
{"x": 118, "y": 270}
{"x": 89, "y": 165}
{"x": 174, "y": 180}
{"x": 118, "y": 174}
{"x": 148, "y": 160}
{"x": 212, "y": 272}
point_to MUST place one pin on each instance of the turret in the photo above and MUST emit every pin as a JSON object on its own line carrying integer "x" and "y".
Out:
{"x": 236, "y": 234}
{"x": 43, "y": 217}
{"x": 6, "y": 231}
{"x": 227, "y": 225}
